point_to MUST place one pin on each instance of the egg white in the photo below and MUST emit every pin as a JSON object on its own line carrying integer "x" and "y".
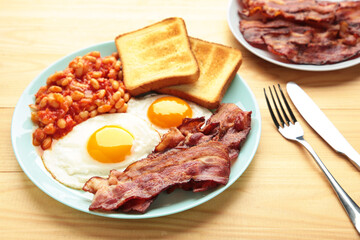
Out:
{"x": 140, "y": 106}
{"x": 70, "y": 163}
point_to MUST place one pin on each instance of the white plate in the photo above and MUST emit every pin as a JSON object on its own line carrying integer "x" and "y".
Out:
{"x": 233, "y": 19}
{"x": 165, "y": 204}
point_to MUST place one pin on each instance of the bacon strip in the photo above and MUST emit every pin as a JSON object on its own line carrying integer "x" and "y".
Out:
{"x": 200, "y": 160}
{"x": 312, "y": 53}
{"x": 300, "y": 10}
{"x": 253, "y": 30}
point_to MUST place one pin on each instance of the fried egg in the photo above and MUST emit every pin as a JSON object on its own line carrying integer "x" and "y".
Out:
{"x": 164, "y": 111}
{"x": 98, "y": 145}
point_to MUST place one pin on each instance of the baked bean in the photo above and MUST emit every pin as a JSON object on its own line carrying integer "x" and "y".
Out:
{"x": 45, "y": 121}
{"x": 39, "y": 135}
{"x": 94, "y": 83}
{"x": 84, "y": 115}
{"x": 119, "y": 103}
{"x": 58, "y": 97}
{"x": 46, "y": 143}
{"x": 34, "y": 117}
{"x": 79, "y": 69}
{"x": 122, "y": 109}
{"x": 116, "y": 96}
{"x": 55, "y": 89}
{"x": 92, "y": 107}
{"x": 117, "y": 65}
{"x": 49, "y": 129}
{"x": 56, "y": 76}
{"x": 96, "y": 74}
{"x": 109, "y": 59}
{"x": 36, "y": 142}
{"x": 115, "y": 85}
{"x": 66, "y": 81}
{"x": 113, "y": 110}
{"x": 104, "y": 108}
{"x": 112, "y": 74}
{"x": 77, "y": 95}
{"x": 78, "y": 119}
{"x": 120, "y": 75}
{"x": 58, "y": 82}
{"x": 53, "y": 103}
{"x": 43, "y": 102}
{"x": 101, "y": 93}
{"x": 99, "y": 102}
{"x": 98, "y": 63}
{"x": 94, "y": 54}
{"x": 68, "y": 100}
{"x": 93, "y": 113}
{"x": 90, "y": 58}
{"x": 126, "y": 97}
{"x": 122, "y": 92}
{"x": 61, "y": 123}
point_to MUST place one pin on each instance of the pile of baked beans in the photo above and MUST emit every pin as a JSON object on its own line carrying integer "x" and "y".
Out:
{"x": 89, "y": 86}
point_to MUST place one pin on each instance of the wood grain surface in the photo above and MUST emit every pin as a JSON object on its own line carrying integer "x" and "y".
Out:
{"x": 282, "y": 195}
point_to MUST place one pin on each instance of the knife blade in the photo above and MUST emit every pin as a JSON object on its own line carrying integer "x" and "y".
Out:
{"x": 320, "y": 123}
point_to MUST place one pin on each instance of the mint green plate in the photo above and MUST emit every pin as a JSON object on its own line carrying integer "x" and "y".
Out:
{"x": 165, "y": 204}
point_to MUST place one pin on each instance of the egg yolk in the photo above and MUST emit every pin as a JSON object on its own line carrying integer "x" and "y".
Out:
{"x": 168, "y": 112}
{"x": 110, "y": 144}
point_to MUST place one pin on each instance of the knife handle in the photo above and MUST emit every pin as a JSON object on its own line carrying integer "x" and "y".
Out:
{"x": 349, "y": 205}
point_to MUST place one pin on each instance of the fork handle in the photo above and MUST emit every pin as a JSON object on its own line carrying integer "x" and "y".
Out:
{"x": 349, "y": 205}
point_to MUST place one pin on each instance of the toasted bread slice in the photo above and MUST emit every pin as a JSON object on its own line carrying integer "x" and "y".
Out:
{"x": 218, "y": 66}
{"x": 157, "y": 56}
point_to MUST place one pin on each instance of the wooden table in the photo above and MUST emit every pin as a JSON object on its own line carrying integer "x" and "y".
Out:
{"x": 282, "y": 195}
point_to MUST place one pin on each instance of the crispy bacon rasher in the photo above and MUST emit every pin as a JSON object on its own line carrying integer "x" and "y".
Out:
{"x": 294, "y": 10}
{"x": 192, "y": 156}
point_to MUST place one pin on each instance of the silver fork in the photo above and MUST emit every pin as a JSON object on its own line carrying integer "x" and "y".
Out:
{"x": 292, "y": 130}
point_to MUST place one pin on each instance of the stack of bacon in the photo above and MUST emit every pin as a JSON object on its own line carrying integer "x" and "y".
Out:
{"x": 303, "y": 31}
{"x": 191, "y": 157}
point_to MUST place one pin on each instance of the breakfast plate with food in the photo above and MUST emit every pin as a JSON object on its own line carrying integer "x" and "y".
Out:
{"x": 317, "y": 36}
{"x": 136, "y": 135}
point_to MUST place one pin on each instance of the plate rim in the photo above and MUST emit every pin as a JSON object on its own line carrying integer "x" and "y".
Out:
{"x": 120, "y": 215}
{"x": 258, "y": 52}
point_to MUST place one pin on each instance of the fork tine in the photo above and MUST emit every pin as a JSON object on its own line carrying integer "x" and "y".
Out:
{"x": 281, "y": 106}
{"x": 271, "y": 111}
{"x": 287, "y": 105}
{"x": 276, "y": 108}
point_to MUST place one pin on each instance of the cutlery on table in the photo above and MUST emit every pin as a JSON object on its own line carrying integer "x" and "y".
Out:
{"x": 292, "y": 130}
{"x": 320, "y": 123}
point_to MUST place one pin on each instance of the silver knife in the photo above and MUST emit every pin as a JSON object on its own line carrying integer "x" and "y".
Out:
{"x": 320, "y": 123}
